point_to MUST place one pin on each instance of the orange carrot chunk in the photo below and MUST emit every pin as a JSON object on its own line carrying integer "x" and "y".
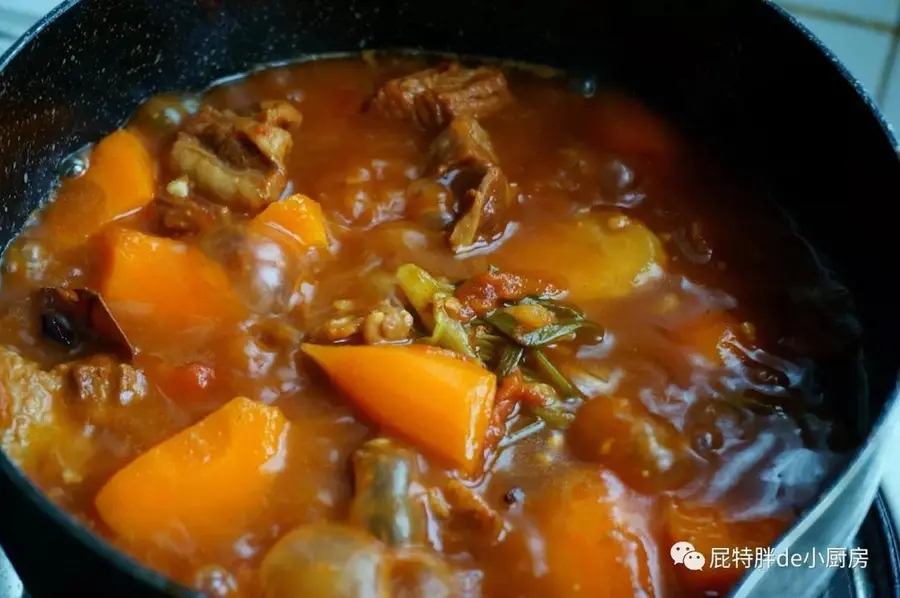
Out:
{"x": 201, "y": 486}
{"x": 432, "y": 397}
{"x": 296, "y": 216}
{"x": 121, "y": 179}
{"x": 591, "y": 535}
{"x": 156, "y": 286}
{"x": 706, "y": 529}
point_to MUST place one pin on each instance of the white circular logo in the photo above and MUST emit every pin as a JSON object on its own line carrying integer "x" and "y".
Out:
{"x": 684, "y": 553}
{"x": 694, "y": 561}
{"x": 679, "y": 550}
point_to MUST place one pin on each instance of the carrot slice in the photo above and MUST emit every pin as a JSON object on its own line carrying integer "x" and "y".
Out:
{"x": 203, "y": 485}
{"x": 123, "y": 168}
{"x": 120, "y": 180}
{"x": 431, "y": 396}
{"x": 591, "y": 534}
{"x": 157, "y": 287}
{"x": 707, "y": 531}
{"x": 297, "y": 216}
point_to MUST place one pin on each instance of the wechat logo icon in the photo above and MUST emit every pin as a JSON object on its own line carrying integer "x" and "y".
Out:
{"x": 684, "y": 553}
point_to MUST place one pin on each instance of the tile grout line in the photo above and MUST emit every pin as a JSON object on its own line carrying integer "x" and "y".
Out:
{"x": 884, "y": 81}
{"x": 887, "y": 72}
{"x": 842, "y": 17}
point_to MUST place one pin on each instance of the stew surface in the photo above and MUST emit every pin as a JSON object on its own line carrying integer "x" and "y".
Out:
{"x": 383, "y": 327}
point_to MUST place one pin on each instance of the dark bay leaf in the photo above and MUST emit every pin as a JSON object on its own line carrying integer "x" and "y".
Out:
{"x": 79, "y": 320}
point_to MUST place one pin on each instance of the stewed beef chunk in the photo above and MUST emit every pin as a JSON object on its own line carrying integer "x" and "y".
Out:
{"x": 462, "y": 144}
{"x": 463, "y": 159}
{"x": 101, "y": 381}
{"x": 237, "y": 160}
{"x": 179, "y": 212}
{"x": 433, "y": 97}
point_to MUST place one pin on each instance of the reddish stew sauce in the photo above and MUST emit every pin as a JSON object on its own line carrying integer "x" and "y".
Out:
{"x": 355, "y": 328}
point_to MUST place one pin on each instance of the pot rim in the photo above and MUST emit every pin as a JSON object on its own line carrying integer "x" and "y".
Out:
{"x": 888, "y": 419}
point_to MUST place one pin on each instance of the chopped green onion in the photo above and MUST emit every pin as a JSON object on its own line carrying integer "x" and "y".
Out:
{"x": 503, "y": 322}
{"x": 487, "y": 346}
{"x": 551, "y": 333}
{"x": 561, "y": 311}
{"x": 554, "y": 376}
{"x": 509, "y": 360}
{"x": 555, "y": 415}
{"x": 420, "y": 287}
{"x": 449, "y": 333}
{"x": 545, "y": 335}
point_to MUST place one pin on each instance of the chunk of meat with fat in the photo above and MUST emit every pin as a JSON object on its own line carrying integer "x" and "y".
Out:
{"x": 101, "y": 381}
{"x": 385, "y": 324}
{"x": 463, "y": 143}
{"x": 463, "y": 158}
{"x": 237, "y": 160}
{"x": 433, "y": 97}
{"x": 178, "y": 212}
{"x": 37, "y": 436}
{"x": 468, "y": 503}
{"x": 484, "y": 219}
{"x": 27, "y": 395}
{"x": 247, "y": 141}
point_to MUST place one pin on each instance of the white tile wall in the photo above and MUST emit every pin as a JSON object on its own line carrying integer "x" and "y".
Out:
{"x": 890, "y": 102}
{"x": 882, "y": 11}
{"x": 16, "y": 16}
{"x": 865, "y": 36}
{"x": 13, "y": 23}
{"x": 864, "y": 51}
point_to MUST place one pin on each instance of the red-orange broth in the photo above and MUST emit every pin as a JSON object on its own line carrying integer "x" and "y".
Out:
{"x": 688, "y": 410}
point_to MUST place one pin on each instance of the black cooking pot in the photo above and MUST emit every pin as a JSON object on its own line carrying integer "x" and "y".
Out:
{"x": 751, "y": 85}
